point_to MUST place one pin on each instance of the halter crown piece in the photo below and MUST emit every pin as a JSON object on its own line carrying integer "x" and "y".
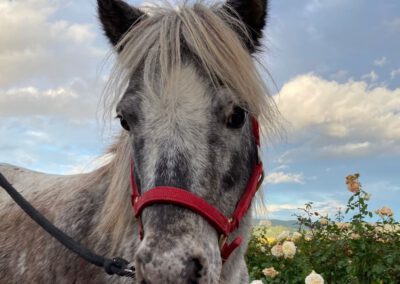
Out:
{"x": 177, "y": 196}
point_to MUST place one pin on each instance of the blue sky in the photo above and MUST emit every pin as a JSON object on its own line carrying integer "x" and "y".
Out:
{"x": 336, "y": 68}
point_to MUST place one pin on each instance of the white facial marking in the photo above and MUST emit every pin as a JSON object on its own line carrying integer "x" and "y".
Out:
{"x": 176, "y": 115}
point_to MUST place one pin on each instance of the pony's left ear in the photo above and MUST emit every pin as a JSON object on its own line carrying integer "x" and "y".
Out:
{"x": 117, "y": 17}
{"x": 253, "y": 13}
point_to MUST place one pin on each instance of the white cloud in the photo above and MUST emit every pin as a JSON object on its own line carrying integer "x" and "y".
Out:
{"x": 381, "y": 186}
{"x": 34, "y": 46}
{"x": 77, "y": 100}
{"x": 349, "y": 149}
{"x": 281, "y": 177}
{"x": 314, "y": 33}
{"x": 328, "y": 207}
{"x": 272, "y": 208}
{"x": 372, "y": 76}
{"x": 86, "y": 164}
{"x": 24, "y": 157}
{"x": 51, "y": 144}
{"x": 393, "y": 25}
{"x": 337, "y": 130}
{"x": 284, "y": 158}
{"x": 281, "y": 167}
{"x": 380, "y": 62}
{"x": 313, "y": 6}
{"x": 340, "y": 119}
{"x": 340, "y": 75}
{"x": 394, "y": 73}
{"x": 38, "y": 135}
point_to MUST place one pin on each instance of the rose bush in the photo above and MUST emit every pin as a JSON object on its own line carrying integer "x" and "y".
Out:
{"x": 331, "y": 250}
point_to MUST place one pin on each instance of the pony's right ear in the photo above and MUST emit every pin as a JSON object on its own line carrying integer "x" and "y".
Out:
{"x": 117, "y": 17}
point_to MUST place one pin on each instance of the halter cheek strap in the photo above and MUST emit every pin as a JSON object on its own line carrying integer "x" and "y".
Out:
{"x": 177, "y": 196}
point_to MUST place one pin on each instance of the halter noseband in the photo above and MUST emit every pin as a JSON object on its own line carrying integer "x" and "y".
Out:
{"x": 177, "y": 196}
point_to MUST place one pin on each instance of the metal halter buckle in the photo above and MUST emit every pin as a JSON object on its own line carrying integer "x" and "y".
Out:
{"x": 129, "y": 272}
{"x": 222, "y": 241}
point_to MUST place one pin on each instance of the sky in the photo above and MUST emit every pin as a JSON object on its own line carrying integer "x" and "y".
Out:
{"x": 335, "y": 76}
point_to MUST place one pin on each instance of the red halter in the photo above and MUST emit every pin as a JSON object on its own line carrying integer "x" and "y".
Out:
{"x": 224, "y": 225}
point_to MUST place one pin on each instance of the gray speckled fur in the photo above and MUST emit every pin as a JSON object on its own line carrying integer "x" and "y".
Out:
{"x": 27, "y": 253}
{"x": 188, "y": 146}
{"x": 179, "y": 138}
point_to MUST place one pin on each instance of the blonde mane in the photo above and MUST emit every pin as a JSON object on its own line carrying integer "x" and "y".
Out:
{"x": 155, "y": 44}
{"x": 154, "y": 47}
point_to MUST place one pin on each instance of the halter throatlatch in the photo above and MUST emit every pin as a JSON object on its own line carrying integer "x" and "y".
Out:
{"x": 177, "y": 196}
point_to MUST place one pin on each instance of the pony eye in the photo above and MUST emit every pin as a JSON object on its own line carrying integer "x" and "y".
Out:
{"x": 237, "y": 118}
{"x": 124, "y": 123}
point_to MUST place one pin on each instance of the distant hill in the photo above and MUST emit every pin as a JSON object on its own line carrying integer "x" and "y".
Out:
{"x": 276, "y": 222}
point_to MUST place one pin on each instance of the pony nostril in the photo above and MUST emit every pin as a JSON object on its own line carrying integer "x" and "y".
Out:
{"x": 194, "y": 270}
{"x": 187, "y": 269}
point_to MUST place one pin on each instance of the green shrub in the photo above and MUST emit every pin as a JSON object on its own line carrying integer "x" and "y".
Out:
{"x": 341, "y": 252}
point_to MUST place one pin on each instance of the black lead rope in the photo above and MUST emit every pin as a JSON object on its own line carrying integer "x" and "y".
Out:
{"x": 118, "y": 266}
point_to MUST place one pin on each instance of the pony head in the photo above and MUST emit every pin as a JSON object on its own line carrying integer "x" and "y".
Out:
{"x": 185, "y": 88}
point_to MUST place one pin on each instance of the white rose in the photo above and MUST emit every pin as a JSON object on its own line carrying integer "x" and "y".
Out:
{"x": 288, "y": 249}
{"x": 308, "y": 236}
{"x": 389, "y": 228}
{"x": 256, "y": 282}
{"x": 270, "y": 272}
{"x": 282, "y": 236}
{"x": 384, "y": 211}
{"x": 343, "y": 226}
{"x": 314, "y": 278}
{"x": 276, "y": 251}
{"x": 296, "y": 236}
{"x": 323, "y": 221}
